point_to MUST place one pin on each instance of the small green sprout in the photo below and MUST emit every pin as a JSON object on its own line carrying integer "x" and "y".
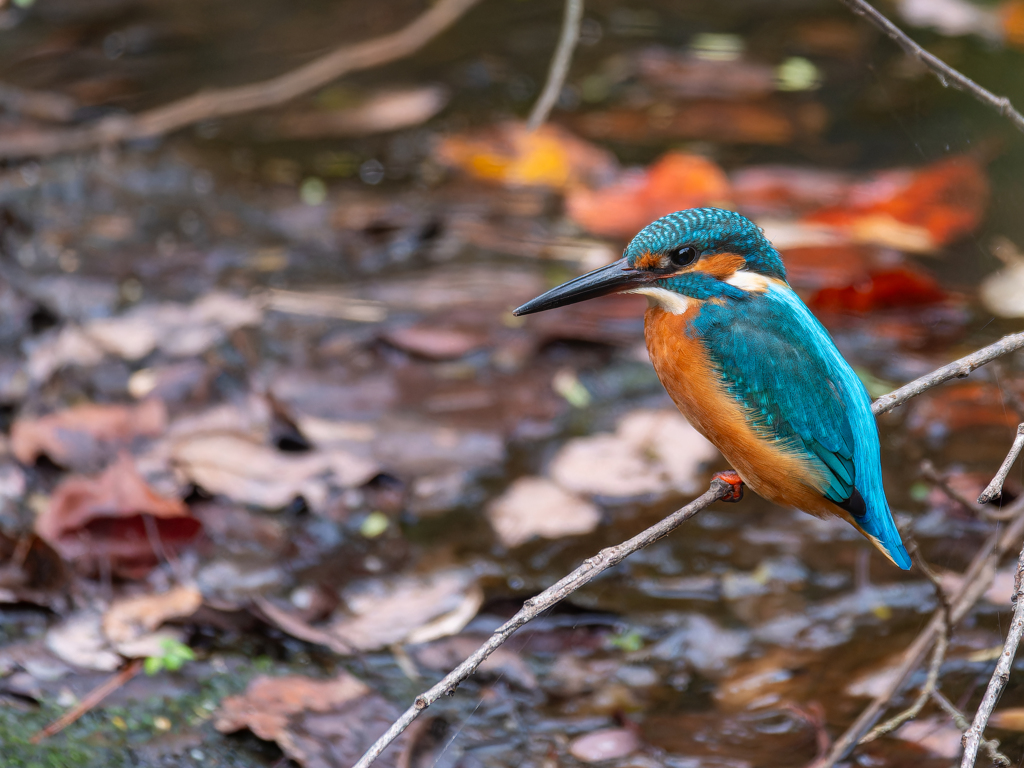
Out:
{"x": 175, "y": 654}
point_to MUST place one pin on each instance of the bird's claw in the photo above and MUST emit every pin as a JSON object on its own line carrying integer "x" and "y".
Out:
{"x": 732, "y": 477}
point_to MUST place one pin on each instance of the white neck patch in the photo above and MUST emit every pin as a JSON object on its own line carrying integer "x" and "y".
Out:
{"x": 670, "y": 301}
{"x": 749, "y": 281}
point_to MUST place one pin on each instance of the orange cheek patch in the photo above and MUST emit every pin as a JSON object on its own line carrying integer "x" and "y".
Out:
{"x": 647, "y": 261}
{"x": 720, "y": 265}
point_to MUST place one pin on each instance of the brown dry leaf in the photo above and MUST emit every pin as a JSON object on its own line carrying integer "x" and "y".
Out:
{"x": 407, "y": 609}
{"x": 250, "y": 472}
{"x": 606, "y": 744}
{"x": 510, "y": 154}
{"x": 1009, "y": 719}
{"x": 79, "y": 436}
{"x": 673, "y": 182}
{"x": 435, "y": 343}
{"x": 79, "y": 640}
{"x": 380, "y": 112}
{"x": 94, "y": 520}
{"x": 536, "y": 507}
{"x": 317, "y": 723}
{"x": 764, "y": 121}
{"x": 650, "y": 453}
{"x": 938, "y": 735}
{"x": 130, "y": 624}
{"x": 448, "y": 653}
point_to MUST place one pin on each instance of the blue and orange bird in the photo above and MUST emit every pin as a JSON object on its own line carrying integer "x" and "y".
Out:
{"x": 750, "y": 367}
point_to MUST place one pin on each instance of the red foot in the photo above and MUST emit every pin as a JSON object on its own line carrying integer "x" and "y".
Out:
{"x": 732, "y": 477}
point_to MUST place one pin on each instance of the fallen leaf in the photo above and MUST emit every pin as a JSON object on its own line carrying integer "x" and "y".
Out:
{"x": 380, "y": 112}
{"x": 435, "y": 343}
{"x": 537, "y": 507}
{"x": 179, "y": 330}
{"x": 833, "y": 266}
{"x": 673, "y": 182}
{"x": 781, "y": 190}
{"x": 762, "y": 121}
{"x": 963, "y": 406}
{"x": 903, "y": 287}
{"x": 510, "y": 154}
{"x": 607, "y": 744}
{"x": 689, "y": 76}
{"x": 1009, "y": 719}
{"x": 939, "y": 735}
{"x": 917, "y": 211}
{"x": 97, "y": 522}
{"x": 650, "y": 453}
{"x": 448, "y": 653}
{"x": 79, "y": 641}
{"x": 130, "y": 623}
{"x": 407, "y": 609}
{"x": 317, "y": 723}
{"x": 251, "y": 472}
{"x": 952, "y": 18}
{"x": 82, "y": 436}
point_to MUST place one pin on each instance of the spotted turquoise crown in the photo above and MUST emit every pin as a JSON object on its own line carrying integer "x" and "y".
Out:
{"x": 709, "y": 230}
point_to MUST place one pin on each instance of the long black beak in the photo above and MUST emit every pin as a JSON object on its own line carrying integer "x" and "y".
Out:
{"x": 616, "y": 277}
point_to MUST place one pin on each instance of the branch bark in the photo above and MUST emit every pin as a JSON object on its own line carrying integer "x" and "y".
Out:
{"x": 948, "y": 76}
{"x": 223, "y": 102}
{"x": 1000, "y": 676}
{"x": 976, "y": 581}
{"x": 995, "y": 488}
{"x": 958, "y": 369}
{"x": 605, "y": 559}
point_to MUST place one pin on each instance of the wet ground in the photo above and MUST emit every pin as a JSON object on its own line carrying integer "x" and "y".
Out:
{"x": 266, "y": 407}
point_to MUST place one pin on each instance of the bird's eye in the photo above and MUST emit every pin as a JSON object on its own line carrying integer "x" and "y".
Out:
{"x": 681, "y": 257}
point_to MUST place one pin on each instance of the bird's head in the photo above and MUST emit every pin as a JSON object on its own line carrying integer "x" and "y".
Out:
{"x": 699, "y": 253}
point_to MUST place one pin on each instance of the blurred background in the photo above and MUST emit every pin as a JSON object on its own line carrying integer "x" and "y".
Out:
{"x": 266, "y": 411}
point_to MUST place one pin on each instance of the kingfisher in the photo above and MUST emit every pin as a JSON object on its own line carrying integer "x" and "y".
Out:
{"x": 750, "y": 367}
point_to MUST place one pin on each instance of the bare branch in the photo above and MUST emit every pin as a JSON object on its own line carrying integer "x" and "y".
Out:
{"x": 958, "y": 369}
{"x": 976, "y": 581}
{"x": 930, "y": 474}
{"x": 995, "y": 488}
{"x": 223, "y": 102}
{"x": 1000, "y": 676}
{"x": 931, "y": 682}
{"x": 991, "y": 746}
{"x": 605, "y": 559}
{"x": 945, "y": 73}
{"x": 559, "y": 64}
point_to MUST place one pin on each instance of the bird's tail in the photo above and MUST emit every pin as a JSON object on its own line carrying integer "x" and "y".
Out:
{"x": 878, "y": 526}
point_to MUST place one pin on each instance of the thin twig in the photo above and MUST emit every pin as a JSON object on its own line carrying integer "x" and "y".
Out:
{"x": 938, "y": 654}
{"x": 958, "y": 369}
{"x": 945, "y": 73}
{"x": 991, "y": 746}
{"x": 223, "y": 102}
{"x": 1000, "y": 676}
{"x": 931, "y": 474}
{"x": 559, "y": 64}
{"x": 976, "y": 581}
{"x": 605, "y": 559}
{"x": 995, "y": 488}
{"x": 94, "y": 697}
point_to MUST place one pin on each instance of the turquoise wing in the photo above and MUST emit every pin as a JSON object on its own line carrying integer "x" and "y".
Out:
{"x": 781, "y": 364}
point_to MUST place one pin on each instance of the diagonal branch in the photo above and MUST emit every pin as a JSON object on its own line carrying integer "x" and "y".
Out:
{"x": 958, "y": 369}
{"x": 945, "y": 73}
{"x": 605, "y": 559}
{"x": 224, "y": 102}
{"x": 995, "y": 488}
{"x": 1000, "y": 676}
{"x": 976, "y": 581}
{"x": 559, "y": 64}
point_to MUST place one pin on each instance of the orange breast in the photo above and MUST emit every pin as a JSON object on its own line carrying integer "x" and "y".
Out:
{"x": 696, "y": 387}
